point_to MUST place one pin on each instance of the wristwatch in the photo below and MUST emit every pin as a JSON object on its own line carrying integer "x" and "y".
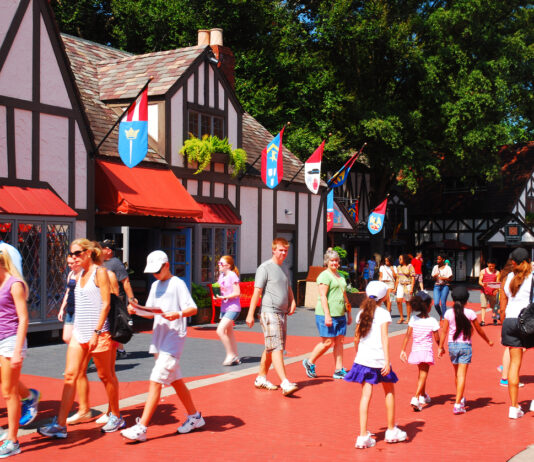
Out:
{"x": 98, "y": 331}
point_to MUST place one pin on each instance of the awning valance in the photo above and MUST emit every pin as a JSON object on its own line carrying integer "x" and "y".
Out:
{"x": 20, "y": 200}
{"x": 218, "y": 214}
{"x": 142, "y": 191}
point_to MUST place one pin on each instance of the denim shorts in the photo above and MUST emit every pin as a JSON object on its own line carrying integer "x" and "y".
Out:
{"x": 69, "y": 318}
{"x": 460, "y": 352}
{"x": 338, "y": 327}
{"x": 232, "y": 315}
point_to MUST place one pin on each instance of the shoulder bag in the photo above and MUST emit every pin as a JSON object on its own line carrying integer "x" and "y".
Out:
{"x": 526, "y": 316}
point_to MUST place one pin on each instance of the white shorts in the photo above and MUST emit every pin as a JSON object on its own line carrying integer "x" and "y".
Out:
{"x": 404, "y": 292}
{"x": 166, "y": 370}
{"x": 7, "y": 346}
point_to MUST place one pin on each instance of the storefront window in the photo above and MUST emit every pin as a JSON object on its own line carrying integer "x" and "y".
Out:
{"x": 57, "y": 247}
{"x": 216, "y": 242}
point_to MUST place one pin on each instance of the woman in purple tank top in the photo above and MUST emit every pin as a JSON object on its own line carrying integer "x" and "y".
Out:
{"x": 13, "y": 329}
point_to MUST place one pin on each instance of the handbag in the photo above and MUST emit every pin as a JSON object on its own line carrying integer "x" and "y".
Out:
{"x": 120, "y": 322}
{"x": 526, "y": 317}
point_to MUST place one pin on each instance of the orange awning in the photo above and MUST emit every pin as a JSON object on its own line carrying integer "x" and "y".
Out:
{"x": 18, "y": 200}
{"x": 218, "y": 214}
{"x": 142, "y": 191}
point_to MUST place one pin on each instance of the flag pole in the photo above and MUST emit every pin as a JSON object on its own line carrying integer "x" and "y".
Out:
{"x": 121, "y": 116}
{"x": 352, "y": 159}
{"x": 249, "y": 166}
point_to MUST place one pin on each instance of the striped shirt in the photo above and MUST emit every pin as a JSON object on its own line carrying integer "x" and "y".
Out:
{"x": 422, "y": 332}
{"x": 88, "y": 307}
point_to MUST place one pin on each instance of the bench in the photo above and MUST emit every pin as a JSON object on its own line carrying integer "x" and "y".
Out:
{"x": 246, "y": 288}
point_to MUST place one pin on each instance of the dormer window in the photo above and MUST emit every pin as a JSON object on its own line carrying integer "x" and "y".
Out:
{"x": 201, "y": 124}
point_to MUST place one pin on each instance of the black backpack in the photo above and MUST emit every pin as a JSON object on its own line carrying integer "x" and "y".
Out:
{"x": 120, "y": 322}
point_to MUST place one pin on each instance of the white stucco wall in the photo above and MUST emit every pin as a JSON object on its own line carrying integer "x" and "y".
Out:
{"x": 192, "y": 187}
{"x": 201, "y": 84}
{"x": 218, "y": 190}
{"x": 7, "y": 11}
{"x": 80, "y": 174}
{"x": 54, "y": 147}
{"x": 249, "y": 230}
{"x": 211, "y": 87}
{"x": 232, "y": 126}
{"x": 267, "y": 218}
{"x": 303, "y": 233}
{"x": 23, "y": 144}
{"x": 53, "y": 90}
{"x": 80, "y": 229}
{"x": 285, "y": 201}
{"x": 153, "y": 121}
{"x": 232, "y": 194}
{"x": 177, "y": 121}
{"x": 206, "y": 188}
{"x": 221, "y": 97}
{"x": 191, "y": 89}
{"x": 3, "y": 142}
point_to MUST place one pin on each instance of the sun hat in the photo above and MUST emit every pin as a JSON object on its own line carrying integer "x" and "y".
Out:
{"x": 155, "y": 260}
{"x": 376, "y": 290}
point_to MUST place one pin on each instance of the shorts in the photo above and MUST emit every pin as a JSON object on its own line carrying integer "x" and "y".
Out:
{"x": 390, "y": 284}
{"x": 419, "y": 278}
{"x": 460, "y": 352}
{"x": 166, "y": 370}
{"x": 404, "y": 292}
{"x": 511, "y": 335}
{"x": 487, "y": 300}
{"x": 274, "y": 326}
{"x": 7, "y": 346}
{"x": 104, "y": 343}
{"x": 69, "y": 318}
{"x": 232, "y": 315}
{"x": 338, "y": 327}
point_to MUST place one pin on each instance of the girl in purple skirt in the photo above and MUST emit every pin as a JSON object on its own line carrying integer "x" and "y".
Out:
{"x": 371, "y": 365}
{"x": 423, "y": 328}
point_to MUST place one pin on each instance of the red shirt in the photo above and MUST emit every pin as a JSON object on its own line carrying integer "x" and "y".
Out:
{"x": 417, "y": 265}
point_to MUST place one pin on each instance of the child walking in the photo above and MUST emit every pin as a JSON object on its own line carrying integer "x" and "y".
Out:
{"x": 371, "y": 365}
{"x": 458, "y": 324}
{"x": 172, "y": 303}
{"x": 423, "y": 328}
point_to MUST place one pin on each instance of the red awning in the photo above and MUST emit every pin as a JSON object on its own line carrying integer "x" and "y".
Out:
{"x": 17, "y": 200}
{"x": 142, "y": 191}
{"x": 218, "y": 214}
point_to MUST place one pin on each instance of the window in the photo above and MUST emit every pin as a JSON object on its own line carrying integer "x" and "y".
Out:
{"x": 216, "y": 242}
{"x": 201, "y": 124}
{"x": 530, "y": 204}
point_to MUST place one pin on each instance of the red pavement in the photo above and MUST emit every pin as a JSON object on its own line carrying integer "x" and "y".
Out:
{"x": 320, "y": 422}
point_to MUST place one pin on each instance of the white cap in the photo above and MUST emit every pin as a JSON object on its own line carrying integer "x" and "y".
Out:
{"x": 155, "y": 261}
{"x": 376, "y": 290}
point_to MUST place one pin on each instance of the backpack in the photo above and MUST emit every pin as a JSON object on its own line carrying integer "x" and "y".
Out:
{"x": 120, "y": 322}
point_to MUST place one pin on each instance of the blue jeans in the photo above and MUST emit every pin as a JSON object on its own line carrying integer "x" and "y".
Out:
{"x": 441, "y": 292}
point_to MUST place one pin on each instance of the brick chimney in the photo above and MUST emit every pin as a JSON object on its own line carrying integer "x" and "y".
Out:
{"x": 223, "y": 54}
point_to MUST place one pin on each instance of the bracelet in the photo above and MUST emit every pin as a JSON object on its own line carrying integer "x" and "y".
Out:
{"x": 98, "y": 331}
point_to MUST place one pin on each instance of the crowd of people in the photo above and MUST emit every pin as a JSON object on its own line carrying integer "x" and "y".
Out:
{"x": 86, "y": 305}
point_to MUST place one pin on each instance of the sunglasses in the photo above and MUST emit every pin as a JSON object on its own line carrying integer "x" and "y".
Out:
{"x": 221, "y": 263}
{"x": 76, "y": 253}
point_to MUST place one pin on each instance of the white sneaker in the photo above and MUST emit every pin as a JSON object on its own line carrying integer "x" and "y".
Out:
{"x": 416, "y": 404}
{"x": 425, "y": 399}
{"x": 395, "y": 436}
{"x": 288, "y": 388}
{"x": 532, "y": 406}
{"x": 102, "y": 420}
{"x": 135, "y": 433}
{"x": 3, "y": 434}
{"x": 262, "y": 382}
{"x": 515, "y": 412}
{"x": 364, "y": 442}
{"x": 191, "y": 423}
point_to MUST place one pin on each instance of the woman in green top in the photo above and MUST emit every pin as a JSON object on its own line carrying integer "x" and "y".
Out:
{"x": 332, "y": 314}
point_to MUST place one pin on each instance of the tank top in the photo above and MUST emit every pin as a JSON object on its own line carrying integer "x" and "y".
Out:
{"x": 489, "y": 277}
{"x": 71, "y": 285}
{"x": 9, "y": 321}
{"x": 88, "y": 307}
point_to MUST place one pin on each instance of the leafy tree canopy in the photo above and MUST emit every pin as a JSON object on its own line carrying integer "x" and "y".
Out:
{"x": 434, "y": 87}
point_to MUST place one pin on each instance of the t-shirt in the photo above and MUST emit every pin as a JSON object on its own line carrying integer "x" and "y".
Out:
{"x": 274, "y": 282}
{"x": 449, "y": 316}
{"x": 388, "y": 273}
{"x": 422, "y": 332}
{"x": 417, "y": 265}
{"x": 370, "y": 352}
{"x": 115, "y": 265}
{"x": 372, "y": 266}
{"x": 8, "y": 312}
{"x": 14, "y": 254}
{"x": 170, "y": 295}
{"x": 336, "y": 288}
{"x": 405, "y": 274}
{"x": 227, "y": 288}
{"x": 521, "y": 299}
{"x": 444, "y": 272}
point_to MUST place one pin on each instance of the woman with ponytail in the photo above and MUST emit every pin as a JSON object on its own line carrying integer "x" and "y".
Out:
{"x": 458, "y": 322}
{"x": 371, "y": 365}
{"x": 516, "y": 296}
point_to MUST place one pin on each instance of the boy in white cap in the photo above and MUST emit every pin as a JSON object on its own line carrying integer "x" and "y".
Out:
{"x": 170, "y": 297}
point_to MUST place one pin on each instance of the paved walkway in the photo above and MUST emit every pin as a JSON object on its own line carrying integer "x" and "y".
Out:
{"x": 320, "y": 422}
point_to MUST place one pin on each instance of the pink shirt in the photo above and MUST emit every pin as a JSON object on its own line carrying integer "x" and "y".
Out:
{"x": 449, "y": 316}
{"x": 422, "y": 332}
{"x": 9, "y": 320}
{"x": 227, "y": 288}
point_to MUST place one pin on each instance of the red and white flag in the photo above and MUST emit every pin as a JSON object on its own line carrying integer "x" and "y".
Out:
{"x": 312, "y": 169}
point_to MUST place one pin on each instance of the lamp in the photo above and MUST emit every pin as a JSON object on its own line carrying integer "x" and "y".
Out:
{"x": 288, "y": 212}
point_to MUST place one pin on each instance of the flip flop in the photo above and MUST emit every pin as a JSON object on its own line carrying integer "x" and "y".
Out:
{"x": 400, "y": 321}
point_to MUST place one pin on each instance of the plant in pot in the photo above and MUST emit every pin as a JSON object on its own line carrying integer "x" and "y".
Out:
{"x": 200, "y": 150}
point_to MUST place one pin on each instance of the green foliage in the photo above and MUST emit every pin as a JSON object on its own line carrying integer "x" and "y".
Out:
{"x": 344, "y": 274}
{"x": 201, "y": 150}
{"x": 201, "y": 295}
{"x": 341, "y": 252}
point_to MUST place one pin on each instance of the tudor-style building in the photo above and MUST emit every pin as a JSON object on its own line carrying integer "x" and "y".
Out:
{"x": 46, "y": 177}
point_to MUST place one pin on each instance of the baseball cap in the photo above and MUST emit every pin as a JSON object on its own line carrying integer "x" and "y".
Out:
{"x": 110, "y": 244}
{"x": 460, "y": 293}
{"x": 519, "y": 255}
{"x": 376, "y": 290}
{"x": 155, "y": 261}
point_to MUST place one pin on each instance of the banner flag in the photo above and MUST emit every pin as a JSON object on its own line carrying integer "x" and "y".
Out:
{"x": 329, "y": 210}
{"x": 376, "y": 218}
{"x": 272, "y": 165}
{"x": 354, "y": 210}
{"x": 133, "y": 132}
{"x": 312, "y": 169}
{"x": 342, "y": 174}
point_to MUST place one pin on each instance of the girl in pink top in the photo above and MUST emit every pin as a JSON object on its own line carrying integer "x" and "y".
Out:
{"x": 458, "y": 326}
{"x": 230, "y": 308}
{"x": 423, "y": 328}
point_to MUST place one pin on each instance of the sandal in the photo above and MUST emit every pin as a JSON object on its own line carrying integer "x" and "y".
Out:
{"x": 400, "y": 321}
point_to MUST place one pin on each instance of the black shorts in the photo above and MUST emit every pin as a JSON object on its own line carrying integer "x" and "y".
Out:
{"x": 511, "y": 335}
